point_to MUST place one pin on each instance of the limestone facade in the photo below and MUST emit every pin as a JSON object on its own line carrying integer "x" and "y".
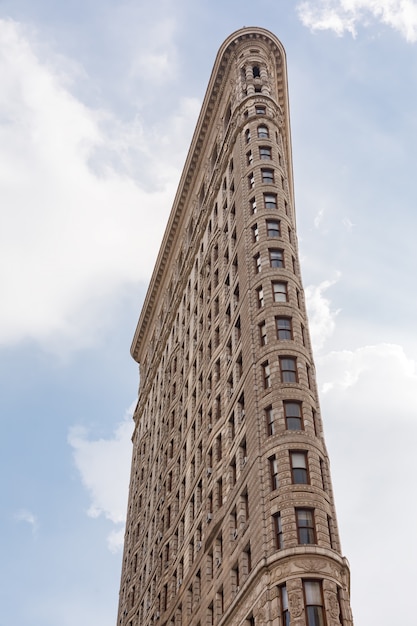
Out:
{"x": 231, "y": 518}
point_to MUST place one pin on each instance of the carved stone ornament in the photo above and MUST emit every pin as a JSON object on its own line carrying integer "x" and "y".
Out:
{"x": 296, "y": 603}
{"x": 312, "y": 565}
{"x": 333, "y": 605}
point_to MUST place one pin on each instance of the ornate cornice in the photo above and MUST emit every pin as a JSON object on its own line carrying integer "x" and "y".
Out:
{"x": 185, "y": 195}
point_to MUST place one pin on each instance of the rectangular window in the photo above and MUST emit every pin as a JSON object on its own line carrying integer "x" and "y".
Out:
{"x": 276, "y": 258}
{"x": 280, "y": 292}
{"x": 260, "y": 295}
{"x": 284, "y": 606}
{"x": 273, "y": 469}
{"x": 260, "y": 110}
{"x": 266, "y": 375}
{"x": 299, "y": 468}
{"x": 258, "y": 263}
{"x": 276, "y": 520}
{"x": 252, "y": 203}
{"x": 267, "y": 176}
{"x": 270, "y": 200}
{"x": 262, "y": 334}
{"x": 273, "y": 228}
{"x": 293, "y": 415}
{"x": 249, "y": 157}
{"x": 263, "y": 132}
{"x": 251, "y": 180}
{"x": 270, "y": 425}
{"x": 265, "y": 153}
{"x": 255, "y": 233}
{"x": 305, "y": 526}
{"x": 288, "y": 368}
{"x": 314, "y": 603}
{"x": 284, "y": 328}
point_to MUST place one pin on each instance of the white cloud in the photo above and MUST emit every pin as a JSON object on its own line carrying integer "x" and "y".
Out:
{"x": 321, "y": 317}
{"x": 319, "y": 218}
{"x": 77, "y": 189}
{"x": 345, "y": 15}
{"x": 29, "y": 518}
{"x": 104, "y": 467}
{"x": 369, "y": 408}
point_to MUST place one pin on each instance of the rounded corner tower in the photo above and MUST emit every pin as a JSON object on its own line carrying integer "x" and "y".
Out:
{"x": 231, "y": 519}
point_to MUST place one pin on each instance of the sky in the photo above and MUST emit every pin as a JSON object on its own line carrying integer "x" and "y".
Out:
{"x": 98, "y": 103}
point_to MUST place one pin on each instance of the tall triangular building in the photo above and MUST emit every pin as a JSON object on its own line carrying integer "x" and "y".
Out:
{"x": 231, "y": 519}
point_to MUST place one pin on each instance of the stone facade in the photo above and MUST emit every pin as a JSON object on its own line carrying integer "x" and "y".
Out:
{"x": 231, "y": 519}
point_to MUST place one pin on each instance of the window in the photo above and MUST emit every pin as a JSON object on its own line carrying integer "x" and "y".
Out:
{"x": 280, "y": 292}
{"x": 258, "y": 263}
{"x": 256, "y": 72}
{"x": 273, "y": 469}
{"x": 247, "y": 135}
{"x": 288, "y": 367}
{"x": 249, "y": 157}
{"x": 273, "y": 228}
{"x": 285, "y": 614}
{"x": 262, "y": 334}
{"x": 267, "y": 176}
{"x": 305, "y": 526}
{"x": 314, "y": 603}
{"x": 270, "y": 200}
{"x": 266, "y": 375}
{"x": 263, "y": 132}
{"x": 276, "y": 519}
{"x": 260, "y": 294}
{"x": 276, "y": 258}
{"x": 299, "y": 469}
{"x": 265, "y": 153}
{"x": 270, "y": 425}
{"x": 284, "y": 328}
{"x": 260, "y": 110}
{"x": 255, "y": 233}
{"x": 251, "y": 180}
{"x": 293, "y": 415}
{"x": 252, "y": 203}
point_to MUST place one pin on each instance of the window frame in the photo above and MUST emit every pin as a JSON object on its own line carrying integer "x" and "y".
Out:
{"x": 273, "y": 472}
{"x": 270, "y": 421}
{"x": 315, "y": 613}
{"x": 260, "y": 297}
{"x": 288, "y": 374}
{"x": 299, "y": 467}
{"x": 270, "y": 201}
{"x": 261, "y": 133}
{"x": 276, "y": 257}
{"x": 284, "y": 292}
{"x": 266, "y": 375}
{"x": 265, "y": 153}
{"x": 278, "y": 534}
{"x": 284, "y": 333}
{"x": 299, "y": 418}
{"x": 267, "y": 176}
{"x": 270, "y": 231}
{"x": 263, "y": 337}
{"x": 306, "y": 529}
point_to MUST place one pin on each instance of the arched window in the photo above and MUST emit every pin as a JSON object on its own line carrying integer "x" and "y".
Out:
{"x": 263, "y": 132}
{"x": 256, "y": 72}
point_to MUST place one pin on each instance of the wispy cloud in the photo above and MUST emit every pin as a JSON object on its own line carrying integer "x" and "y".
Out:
{"x": 77, "y": 187}
{"x": 28, "y": 517}
{"x": 343, "y": 16}
{"x": 104, "y": 466}
{"x": 321, "y": 316}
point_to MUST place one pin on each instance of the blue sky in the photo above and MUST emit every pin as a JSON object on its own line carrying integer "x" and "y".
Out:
{"x": 97, "y": 108}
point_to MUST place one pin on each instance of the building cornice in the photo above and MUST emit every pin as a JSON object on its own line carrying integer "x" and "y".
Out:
{"x": 186, "y": 188}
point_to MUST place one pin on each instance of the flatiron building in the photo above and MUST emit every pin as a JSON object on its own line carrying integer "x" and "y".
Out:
{"x": 231, "y": 519}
